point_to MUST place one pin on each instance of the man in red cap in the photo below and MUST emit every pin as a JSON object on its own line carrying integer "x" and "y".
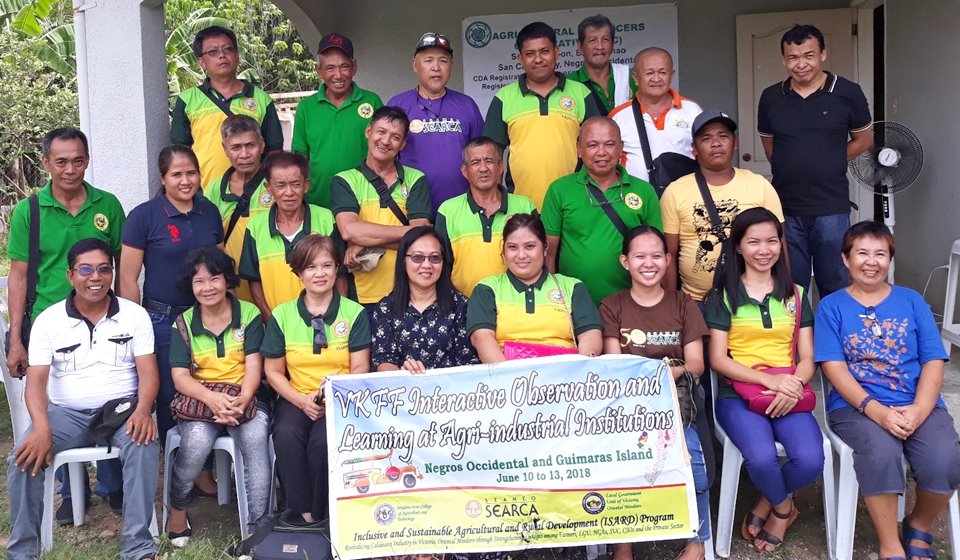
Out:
{"x": 329, "y": 125}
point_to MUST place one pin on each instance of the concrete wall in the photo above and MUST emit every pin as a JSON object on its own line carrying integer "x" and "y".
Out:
{"x": 922, "y": 85}
{"x": 384, "y": 37}
{"x": 127, "y": 85}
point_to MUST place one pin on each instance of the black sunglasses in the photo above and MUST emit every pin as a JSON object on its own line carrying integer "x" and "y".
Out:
{"x": 319, "y": 334}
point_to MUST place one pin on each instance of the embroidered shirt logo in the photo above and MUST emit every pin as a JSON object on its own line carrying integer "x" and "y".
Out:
{"x": 174, "y": 233}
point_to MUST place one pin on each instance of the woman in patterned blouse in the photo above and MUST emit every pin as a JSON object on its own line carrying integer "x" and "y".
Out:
{"x": 421, "y": 324}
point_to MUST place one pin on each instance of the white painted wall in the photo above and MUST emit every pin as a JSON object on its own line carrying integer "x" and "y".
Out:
{"x": 922, "y": 86}
{"x": 127, "y": 72}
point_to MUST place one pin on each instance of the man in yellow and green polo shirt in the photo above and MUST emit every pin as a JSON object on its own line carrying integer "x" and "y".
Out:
{"x": 539, "y": 115}
{"x": 242, "y": 191}
{"x": 583, "y": 239}
{"x": 376, "y": 203}
{"x": 199, "y": 111}
{"x": 272, "y": 235}
{"x": 471, "y": 225}
{"x": 329, "y": 125}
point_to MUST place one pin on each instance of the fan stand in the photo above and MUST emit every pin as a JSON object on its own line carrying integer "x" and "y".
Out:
{"x": 889, "y": 220}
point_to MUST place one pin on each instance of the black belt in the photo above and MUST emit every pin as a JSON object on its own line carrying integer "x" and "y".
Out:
{"x": 163, "y": 308}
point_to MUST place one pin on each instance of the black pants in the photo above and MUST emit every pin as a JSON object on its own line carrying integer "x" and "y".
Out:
{"x": 301, "y": 450}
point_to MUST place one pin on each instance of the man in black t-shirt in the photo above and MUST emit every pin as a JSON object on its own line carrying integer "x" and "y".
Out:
{"x": 811, "y": 125}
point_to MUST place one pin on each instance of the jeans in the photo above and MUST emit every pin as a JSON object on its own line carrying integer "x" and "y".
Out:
{"x": 700, "y": 482}
{"x": 162, "y": 329}
{"x": 196, "y": 442}
{"x": 141, "y": 470}
{"x": 755, "y": 435}
{"x": 814, "y": 243}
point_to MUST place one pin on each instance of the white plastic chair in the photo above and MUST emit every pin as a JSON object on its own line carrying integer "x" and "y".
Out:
{"x": 19, "y": 416}
{"x": 848, "y": 490}
{"x": 730, "y": 483}
{"x": 225, "y": 450}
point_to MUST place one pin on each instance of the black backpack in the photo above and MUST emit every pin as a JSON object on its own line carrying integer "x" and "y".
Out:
{"x": 286, "y": 536}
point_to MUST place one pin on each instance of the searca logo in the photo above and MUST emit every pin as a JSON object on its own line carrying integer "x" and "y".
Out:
{"x": 478, "y": 34}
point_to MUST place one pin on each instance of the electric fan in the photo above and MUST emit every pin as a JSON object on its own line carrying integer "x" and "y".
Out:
{"x": 891, "y": 165}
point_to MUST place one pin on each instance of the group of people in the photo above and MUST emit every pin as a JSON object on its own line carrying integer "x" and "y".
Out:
{"x": 391, "y": 237}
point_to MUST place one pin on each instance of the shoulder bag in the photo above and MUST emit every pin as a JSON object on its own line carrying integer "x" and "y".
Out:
{"x": 668, "y": 166}
{"x": 753, "y": 392}
{"x": 193, "y": 410}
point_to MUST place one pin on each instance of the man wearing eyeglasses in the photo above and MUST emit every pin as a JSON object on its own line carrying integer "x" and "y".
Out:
{"x": 586, "y": 214}
{"x": 441, "y": 120}
{"x": 199, "y": 111}
{"x": 328, "y": 127}
{"x": 69, "y": 209}
{"x": 86, "y": 350}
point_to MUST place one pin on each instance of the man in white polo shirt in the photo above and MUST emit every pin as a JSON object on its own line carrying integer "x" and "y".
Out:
{"x": 667, "y": 115}
{"x": 86, "y": 350}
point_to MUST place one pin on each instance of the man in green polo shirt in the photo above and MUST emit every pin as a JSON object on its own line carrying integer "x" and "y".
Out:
{"x": 70, "y": 210}
{"x": 199, "y": 111}
{"x": 611, "y": 83}
{"x": 376, "y": 203}
{"x": 471, "y": 225}
{"x": 587, "y": 213}
{"x": 329, "y": 125}
{"x": 539, "y": 115}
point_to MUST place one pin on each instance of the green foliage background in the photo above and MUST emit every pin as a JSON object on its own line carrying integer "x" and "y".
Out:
{"x": 38, "y": 69}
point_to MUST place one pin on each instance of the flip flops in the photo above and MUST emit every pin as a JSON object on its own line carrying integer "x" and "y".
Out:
{"x": 909, "y": 534}
{"x": 766, "y": 538}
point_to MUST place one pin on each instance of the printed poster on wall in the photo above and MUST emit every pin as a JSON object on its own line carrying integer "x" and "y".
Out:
{"x": 490, "y": 54}
{"x": 524, "y": 454}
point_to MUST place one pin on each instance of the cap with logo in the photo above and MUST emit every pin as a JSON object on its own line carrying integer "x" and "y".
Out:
{"x": 430, "y": 40}
{"x": 336, "y": 41}
{"x": 711, "y": 116}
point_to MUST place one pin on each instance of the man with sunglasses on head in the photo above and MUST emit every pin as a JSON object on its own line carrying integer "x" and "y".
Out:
{"x": 328, "y": 127}
{"x": 86, "y": 351}
{"x": 441, "y": 120}
{"x": 199, "y": 111}
{"x": 587, "y": 213}
{"x": 69, "y": 209}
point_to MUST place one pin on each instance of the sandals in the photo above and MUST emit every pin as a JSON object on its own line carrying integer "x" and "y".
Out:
{"x": 909, "y": 534}
{"x": 751, "y": 520}
{"x": 764, "y": 537}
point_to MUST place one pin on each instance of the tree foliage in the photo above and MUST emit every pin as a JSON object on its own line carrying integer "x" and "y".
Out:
{"x": 36, "y": 100}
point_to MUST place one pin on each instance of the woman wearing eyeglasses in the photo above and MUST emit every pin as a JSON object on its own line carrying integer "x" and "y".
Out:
{"x": 881, "y": 349}
{"x": 422, "y": 324}
{"x": 318, "y": 334}
{"x": 527, "y": 305}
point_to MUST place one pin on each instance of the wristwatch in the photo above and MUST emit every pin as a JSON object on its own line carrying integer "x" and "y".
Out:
{"x": 863, "y": 404}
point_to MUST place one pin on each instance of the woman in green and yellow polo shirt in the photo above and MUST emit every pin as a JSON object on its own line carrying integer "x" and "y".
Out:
{"x": 221, "y": 337}
{"x": 527, "y": 304}
{"x": 316, "y": 335}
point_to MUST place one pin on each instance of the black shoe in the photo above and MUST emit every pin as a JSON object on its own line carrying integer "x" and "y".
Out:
{"x": 64, "y": 515}
{"x": 115, "y": 500}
